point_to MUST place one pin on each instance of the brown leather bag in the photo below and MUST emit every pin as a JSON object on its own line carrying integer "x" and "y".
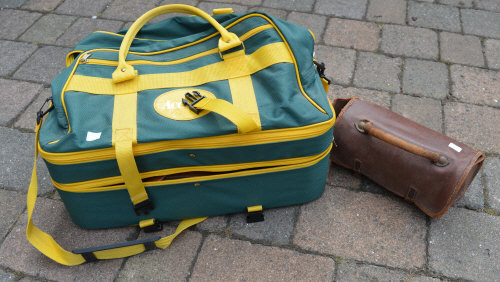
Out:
{"x": 417, "y": 163}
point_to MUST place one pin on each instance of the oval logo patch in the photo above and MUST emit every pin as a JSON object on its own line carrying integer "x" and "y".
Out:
{"x": 170, "y": 105}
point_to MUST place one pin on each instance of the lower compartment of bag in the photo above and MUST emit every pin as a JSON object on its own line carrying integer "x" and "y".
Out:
{"x": 218, "y": 195}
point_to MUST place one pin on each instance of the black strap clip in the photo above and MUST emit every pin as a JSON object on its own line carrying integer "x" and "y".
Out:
{"x": 144, "y": 207}
{"x": 89, "y": 256}
{"x": 157, "y": 226}
{"x": 192, "y": 99}
{"x": 256, "y": 216}
{"x": 320, "y": 67}
{"x": 40, "y": 114}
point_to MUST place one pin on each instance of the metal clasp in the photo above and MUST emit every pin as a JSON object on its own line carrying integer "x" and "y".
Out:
{"x": 40, "y": 114}
{"x": 320, "y": 67}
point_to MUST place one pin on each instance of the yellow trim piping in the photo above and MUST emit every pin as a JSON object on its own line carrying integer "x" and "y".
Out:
{"x": 288, "y": 164}
{"x": 232, "y": 140}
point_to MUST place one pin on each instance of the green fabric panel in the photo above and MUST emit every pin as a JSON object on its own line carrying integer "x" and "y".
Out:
{"x": 51, "y": 130}
{"x": 180, "y": 158}
{"x": 251, "y": 45}
{"x": 214, "y": 197}
{"x": 86, "y": 113}
{"x": 56, "y": 87}
{"x": 281, "y": 104}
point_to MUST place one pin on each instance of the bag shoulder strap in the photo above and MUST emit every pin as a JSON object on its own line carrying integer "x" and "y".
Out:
{"x": 49, "y": 247}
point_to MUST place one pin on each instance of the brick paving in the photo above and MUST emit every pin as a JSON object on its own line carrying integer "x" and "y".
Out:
{"x": 436, "y": 62}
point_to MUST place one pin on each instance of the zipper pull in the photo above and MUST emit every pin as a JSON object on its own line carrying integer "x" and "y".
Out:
{"x": 85, "y": 58}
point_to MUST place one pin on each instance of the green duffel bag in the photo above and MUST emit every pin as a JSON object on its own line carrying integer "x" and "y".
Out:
{"x": 186, "y": 118}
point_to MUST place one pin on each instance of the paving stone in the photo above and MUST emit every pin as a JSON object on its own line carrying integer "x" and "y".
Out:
{"x": 490, "y": 5}
{"x": 244, "y": 2}
{"x": 276, "y": 229}
{"x": 15, "y": 22}
{"x": 171, "y": 264}
{"x": 14, "y": 97}
{"x": 10, "y": 4}
{"x": 209, "y": 6}
{"x": 371, "y": 187}
{"x": 339, "y": 176}
{"x": 213, "y": 224}
{"x": 45, "y": 64}
{"x": 425, "y": 78}
{"x": 352, "y": 34}
{"x": 82, "y": 7}
{"x": 378, "y": 71}
{"x": 16, "y": 161}
{"x": 223, "y": 259}
{"x": 492, "y": 51}
{"x": 424, "y": 111}
{"x": 387, "y": 11}
{"x": 491, "y": 169}
{"x": 474, "y": 85}
{"x": 378, "y": 97}
{"x": 127, "y": 10}
{"x": 363, "y": 226}
{"x": 474, "y": 196}
{"x": 433, "y": 16}
{"x": 481, "y": 23}
{"x": 461, "y": 49}
{"x": 464, "y": 244}
{"x": 277, "y": 13}
{"x": 85, "y": 26}
{"x": 363, "y": 272}
{"x": 354, "y": 9}
{"x": 45, "y": 31}
{"x": 17, "y": 253}
{"x": 476, "y": 126}
{"x": 28, "y": 118}
{"x": 457, "y": 3}
{"x": 44, "y": 6}
{"x": 409, "y": 41}
{"x": 6, "y": 276}
{"x": 339, "y": 62}
{"x": 13, "y": 54}
{"x": 11, "y": 206}
{"x": 301, "y": 6}
{"x": 313, "y": 22}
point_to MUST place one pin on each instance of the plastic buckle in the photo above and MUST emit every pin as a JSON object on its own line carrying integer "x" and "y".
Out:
{"x": 89, "y": 256}
{"x": 157, "y": 226}
{"x": 40, "y": 114}
{"x": 320, "y": 67}
{"x": 144, "y": 207}
{"x": 256, "y": 216}
{"x": 192, "y": 99}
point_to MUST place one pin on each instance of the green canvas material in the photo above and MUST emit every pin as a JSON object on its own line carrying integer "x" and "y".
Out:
{"x": 279, "y": 99}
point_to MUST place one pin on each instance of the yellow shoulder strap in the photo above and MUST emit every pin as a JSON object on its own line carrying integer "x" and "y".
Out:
{"x": 49, "y": 247}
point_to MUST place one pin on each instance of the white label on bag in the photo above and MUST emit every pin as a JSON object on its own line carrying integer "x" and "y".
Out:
{"x": 92, "y": 136}
{"x": 455, "y": 147}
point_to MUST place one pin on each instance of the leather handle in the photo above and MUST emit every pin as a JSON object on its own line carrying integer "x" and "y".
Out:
{"x": 367, "y": 127}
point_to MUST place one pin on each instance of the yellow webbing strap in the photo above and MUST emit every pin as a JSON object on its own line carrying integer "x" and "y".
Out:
{"x": 244, "y": 122}
{"x": 326, "y": 84}
{"x": 264, "y": 57}
{"x": 49, "y": 247}
{"x": 123, "y": 137}
{"x": 243, "y": 95}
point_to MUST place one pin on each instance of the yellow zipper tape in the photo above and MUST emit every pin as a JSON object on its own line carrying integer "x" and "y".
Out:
{"x": 232, "y": 140}
{"x": 271, "y": 166}
{"x": 245, "y": 36}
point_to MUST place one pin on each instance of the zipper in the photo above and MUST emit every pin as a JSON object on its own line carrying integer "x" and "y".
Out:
{"x": 85, "y": 58}
{"x": 224, "y": 141}
{"x": 233, "y": 170}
